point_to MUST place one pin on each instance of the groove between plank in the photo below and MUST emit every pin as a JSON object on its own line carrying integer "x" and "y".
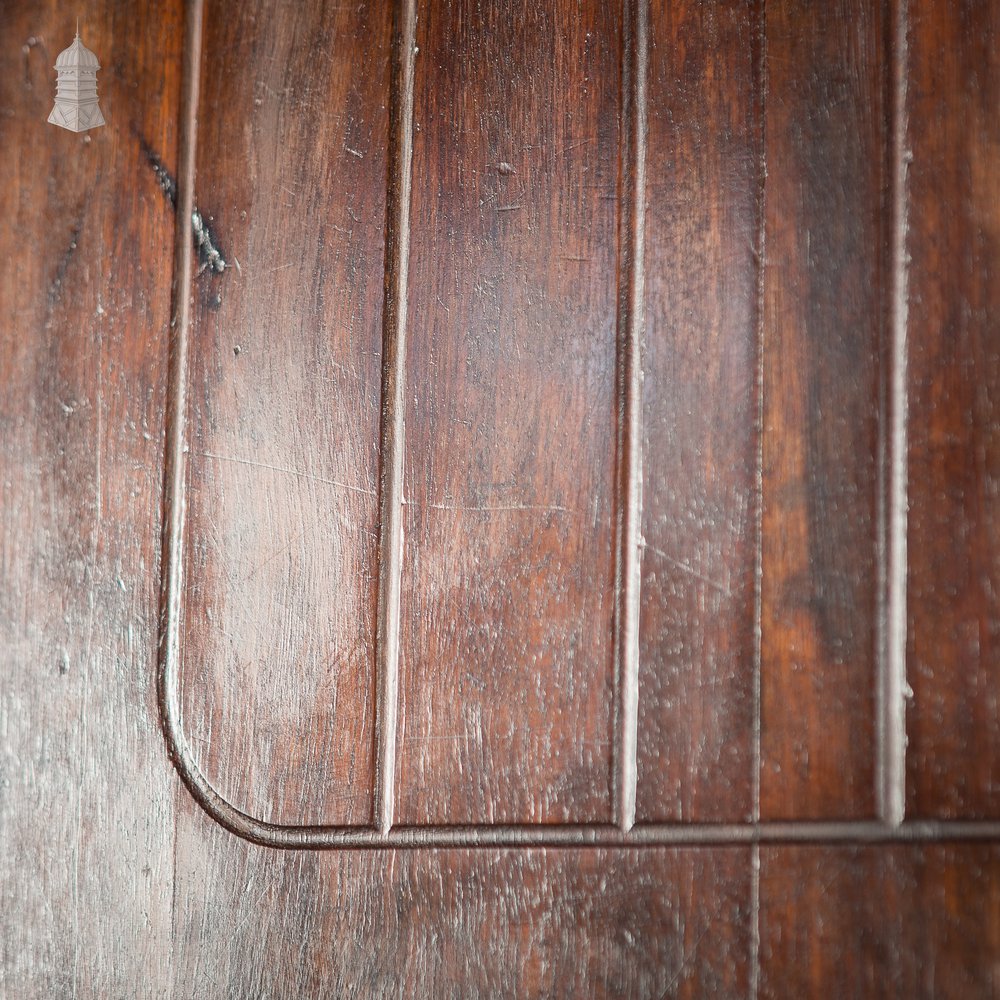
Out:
{"x": 760, "y": 87}
{"x": 397, "y": 254}
{"x": 892, "y": 715}
{"x": 175, "y": 462}
{"x": 760, "y": 106}
{"x": 631, "y": 292}
{"x": 857, "y": 832}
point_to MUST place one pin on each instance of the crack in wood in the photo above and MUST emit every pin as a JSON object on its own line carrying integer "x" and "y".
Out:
{"x": 210, "y": 257}
{"x": 56, "y": 287}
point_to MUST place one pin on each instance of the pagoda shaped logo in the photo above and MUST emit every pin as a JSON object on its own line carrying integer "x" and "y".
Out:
{"x": 76, "y": 106}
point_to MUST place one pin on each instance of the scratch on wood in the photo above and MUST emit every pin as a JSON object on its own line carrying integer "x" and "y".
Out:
{"x": 208, "y": 253}
{"x": 298, "y": 473}
{"x": 690, "y": 570}
{"x": 30, "y": 43}
{"x": 514, "y": 507}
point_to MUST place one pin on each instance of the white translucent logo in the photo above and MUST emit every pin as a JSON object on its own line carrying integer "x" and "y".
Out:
{"x": 76, "y": 106}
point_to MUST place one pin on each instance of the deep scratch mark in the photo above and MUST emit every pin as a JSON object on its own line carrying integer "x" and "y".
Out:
{"x": 690, "y": 570}
{"x": 163, "y": 177}
{"x": 629, "y": 335}
{"x": 298, "y": 473}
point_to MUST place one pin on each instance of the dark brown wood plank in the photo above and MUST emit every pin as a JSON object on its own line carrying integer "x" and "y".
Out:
{"x": 953, "y": 241}
{"x": 86, "y": 244}
{"x": 823, "y": 318}
{"x": 278, "y": 642}
{"x": 920, "y": 921}
{"x": 113, "y": 881}
{"x": 507, "y": 594}
{"x": 456, "y": 924}
{"x": 696, "y": 701}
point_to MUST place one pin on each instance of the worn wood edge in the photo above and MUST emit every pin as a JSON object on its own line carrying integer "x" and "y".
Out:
{"x": 892, "y": 685}
{"x": 630, "y": 325}
{"x": 392, "y": 448}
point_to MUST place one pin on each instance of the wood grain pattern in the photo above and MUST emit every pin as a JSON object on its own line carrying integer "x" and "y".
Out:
{"x": 278, "y": 640}
{"x": 86, "y": 803}
{"x": 823, "y": 321}
{"x": 115, "y": 882}
{"x": 906, "y": 922}
{"x": 506, "y": 661}
{"x": 696, "y": 706}
{"x": 953, "y": 241}
{"x": 459, "y": 924}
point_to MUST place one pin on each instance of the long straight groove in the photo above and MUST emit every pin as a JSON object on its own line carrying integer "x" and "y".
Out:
{"x": 760, "y": 107}
{"x": 172, "y": 517}
{"x": 397, "y": 255}
{"x": 174, "y": 462}
{"x": 760, "y": 90}
{"x": 882, "y": 666}
{"x": 628, "y": 506}
{"x": 754, "y": 920}
{"x": 855, "y": 832}
{"x": 892, "y": 681}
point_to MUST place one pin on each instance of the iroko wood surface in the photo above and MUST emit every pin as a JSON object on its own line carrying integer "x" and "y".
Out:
{"x": 282, "y": 528}
{"x": 953, "y": 382}
{"x": 804, "y": 277}
{"x": 86, "y": 239}
{"x": 696, "y": 750}
{"x": 508, "y": 572}
{"x": 824, "y": 249}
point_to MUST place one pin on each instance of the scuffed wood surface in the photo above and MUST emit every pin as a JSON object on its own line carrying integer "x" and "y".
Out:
{"x": 458, "y": 924}
{"x": 86, "y": 796}
{"x": 901, "y": 922}
{"x": 278, "y": 672}
{"x": 824, "y": 147}
{"x": 696, "y": 673}
{"x": 507, "y": 594}
{"x": 114, "y": 882}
